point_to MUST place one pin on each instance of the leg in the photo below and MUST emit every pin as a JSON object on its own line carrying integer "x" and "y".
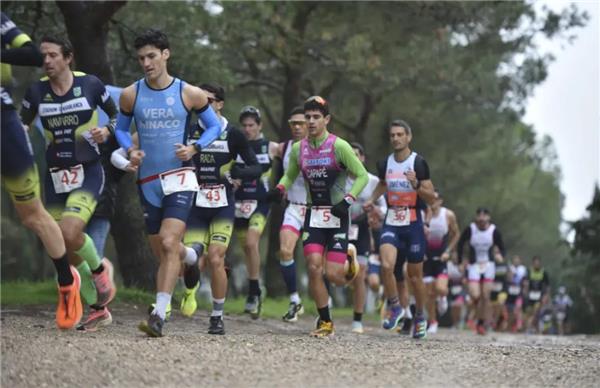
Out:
{"x": 288, "y": 239}
{"x": 98, "y": 228}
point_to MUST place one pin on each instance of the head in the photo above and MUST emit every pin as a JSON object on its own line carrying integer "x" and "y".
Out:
{"x": 359, "y": 151}
{"x": 316, "y": 113}
{"x": 482, "y": 218}
{"x": 516, "y": 260}
{"x": 400, "y": 135}
{"x": 438, "y": 202}
{"x": 152, "y": 48}
{"x": 251, "y": 122}
{"x": 536, "y": 263}
{"x": 297, "y": 123}
{"x": 58, "y": 55}
{"x": 216, "y": 96}
{"x": 562, "y": 290}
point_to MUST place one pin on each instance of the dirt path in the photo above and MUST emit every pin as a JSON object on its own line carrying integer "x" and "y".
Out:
{"x": 272, "y": 353}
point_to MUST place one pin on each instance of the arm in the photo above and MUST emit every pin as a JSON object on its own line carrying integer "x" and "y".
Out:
{"x": 274, "y": 150}
{"x": 464, "y": 237}
{"x": 348, "y": 158}
{"x": 124, "y": 118}
{"x": 293, "y": 169}
{"x": 421, "y": 181}
{"x": 453, "y": 234}
{"x": 22, "y": 51}
{"x": 499, "y": 243}
{"x": 194, "y": 98}
{"x": 239, "y": 143}
{"x": 106, "y": 103}
{"x": 29, "y": 106}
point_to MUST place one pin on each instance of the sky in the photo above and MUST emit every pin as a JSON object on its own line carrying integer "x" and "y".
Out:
{"x": 566, "y": 106}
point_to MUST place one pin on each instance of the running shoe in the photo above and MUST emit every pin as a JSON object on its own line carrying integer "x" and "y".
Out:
{"x": 352, "y": 266}
{"x": 216, "y": 326}
{"x": 105, "y": 283}
{"x": 432, "y": 327}
{"x": 188, "y": 302}
{"x": 96, "y": 319}
{"x": 69, "y": 309}
{"x": 420, "y": 328}
{"x": 153, "y": 326}
{"x": 323, "y": 330}
{"x": 167, "y": 313}
{"x": 357, "y": 327}
{"x": 481, "y": 329}
{"x": 294, "y": 310}
{"x": 442, "y": 305}
{"x": 253, "y": 306}
{"x": 394, "y": 316}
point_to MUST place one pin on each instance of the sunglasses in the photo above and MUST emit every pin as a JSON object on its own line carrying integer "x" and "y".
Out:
{"x": 297, "y": 122}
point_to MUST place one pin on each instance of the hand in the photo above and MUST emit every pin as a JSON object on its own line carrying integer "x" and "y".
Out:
{"x": 131, "y": 168}
{"x": 236, "y": 183}
{"x": 340, "y": 209}
{"x": 136, "y": 157}
{"x": 100, "y": 134}
{"x": 276, "y": 194}
{"x": 412, "y": 178}
{"x": 445, "y": 256}
{"x": 185, "y": 153}
{"x": 498, "y": 257}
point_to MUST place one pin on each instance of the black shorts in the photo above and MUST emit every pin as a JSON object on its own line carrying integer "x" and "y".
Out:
{"x": 334, "y": 240}
{"x": 363, "y": 242}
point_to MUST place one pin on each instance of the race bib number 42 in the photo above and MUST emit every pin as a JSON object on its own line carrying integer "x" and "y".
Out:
{"x": 212, "y": 197}
{"x": 181, "y": 179}
{"x": 399, "y": 216}
{"x": 245, "y": 209}
{"x": 68, "y": 179}
{"x": 322, "y": 218}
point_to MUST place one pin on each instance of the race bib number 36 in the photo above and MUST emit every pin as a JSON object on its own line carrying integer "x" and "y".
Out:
{"x": 212, "y": 197}
{"x": 398, "y": 216}
{"x": 68, "y": 179}
{"x": 322, "y": 218}
{"x": 245, "y": 209}
{"x": 181, "y": 179}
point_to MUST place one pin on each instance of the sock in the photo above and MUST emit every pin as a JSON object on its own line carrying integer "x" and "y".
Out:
{"x": 393, "y": 301}
{"x": 191, "y": 275}
{"x": 217, "y": 310}
{"x": 88, "y": 288}
{"x": 253, "y": 287}
{"x": 162, "y": 301}
{"x": 324, "y": 314}
{"x": 190, "y": 256}
{"x": 65, "y": 277}
{"x": 288, "y": 271}
{"x": 357, "y": 317}
{"x": 295, "y": 298}
{"x": 88, "y": 253}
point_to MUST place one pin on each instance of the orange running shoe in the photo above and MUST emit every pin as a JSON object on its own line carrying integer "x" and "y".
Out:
{"x": 105, "y": 283}
{"x": 69, "y": 310}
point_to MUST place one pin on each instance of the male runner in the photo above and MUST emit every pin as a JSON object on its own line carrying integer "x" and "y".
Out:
{"x": 325, "y": 161}
{"x": 441, "y": 243}
{"x": 404, "y": 176}
{"x": 210, "y": 224}
{"x": 456, "y": 280}
{"x": 482, "y": 237}
{"x": 252, "y": 208}
{"x": 66, "y": 103}
{"x": 514, "y": 300}
{"x": 20, "y": 175}
{"x": 499, "y": 295}
{"x": 536, "y": 285}
{"x": 161, "y": 105}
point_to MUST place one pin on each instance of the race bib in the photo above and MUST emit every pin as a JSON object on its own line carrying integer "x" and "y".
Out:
{"x": 212, "y": 197}
{"x": 561, "y": 315}
{"x": 353, "y": 232}
{"x": 514, "y": 290}
{"x": 455, "y": 290}
{"x": 398, "y": 216}
{"x": 497, "y": 287}
{"x": 299, "y": 210}
{"x": 181, "y": 179}
{"x": 535, "y": 295}
{"x": 245, "y": 209}
{"x": 322, "y": 218}
{"x": 68, "y": 179}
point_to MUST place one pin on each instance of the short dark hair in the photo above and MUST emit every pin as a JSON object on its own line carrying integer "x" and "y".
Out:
{"x": 482, "y": 209}
{"x": 151, "y": 37}
{"x": 215, "y": 89}
{"x": 401, "y": 123}
{"x": 536, "y": 257}
{"x": 297, "y": 110}
{"x": 317, "y": 103}
{"x": 66, "y": 48}
{"x": 359, "y": 147}
{"x": 250, "y": 111}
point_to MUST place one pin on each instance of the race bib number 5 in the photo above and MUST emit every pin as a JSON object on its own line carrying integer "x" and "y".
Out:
{"x": 212, "y": 197}
{"x": 245, "y": 209}
{"x": 399, "y": 216}
{"x": 322, "y": 218}
{"x": 181, "y": 179}
{"x": 68, "y": 179}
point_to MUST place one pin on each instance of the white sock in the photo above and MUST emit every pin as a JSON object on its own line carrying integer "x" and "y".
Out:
{"x": 295, "y": 298}
{"x": 218, "y": 305}
{"x": 162, "y": 301}
{"x": 190, "y": 256}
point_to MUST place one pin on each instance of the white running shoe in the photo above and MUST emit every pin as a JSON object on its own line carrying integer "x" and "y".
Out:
{"x": 432, "y": 327}
{"x": 442, "y": 305}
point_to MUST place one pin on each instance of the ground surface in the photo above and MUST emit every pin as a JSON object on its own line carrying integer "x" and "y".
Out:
{"x": 271, "y": 353}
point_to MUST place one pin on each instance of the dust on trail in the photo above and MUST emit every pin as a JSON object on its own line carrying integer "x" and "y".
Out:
{"x": 269, "y": 352}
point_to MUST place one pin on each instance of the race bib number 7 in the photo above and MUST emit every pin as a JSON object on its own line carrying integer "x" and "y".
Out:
{"x": 398, "y": 216}
{"x": 181, "y": 179}
{"x": 68, "y": 179}
{"x": 322, "y": 218}
{"x": 212, "y": 197}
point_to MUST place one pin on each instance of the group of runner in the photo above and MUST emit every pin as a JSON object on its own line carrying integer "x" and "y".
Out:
{"x": 198, "y": 182}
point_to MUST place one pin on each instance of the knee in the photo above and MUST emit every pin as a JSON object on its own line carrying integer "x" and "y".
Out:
{"x": 315, "y": 268}
{"x": 286, "y": 254}
{"x": 441, "y": 290}
{"x": 72, "y": 236}
{"x": 387, "y": 266}
{"x": 169, "y": 244}
{"x": 216, "y": 261}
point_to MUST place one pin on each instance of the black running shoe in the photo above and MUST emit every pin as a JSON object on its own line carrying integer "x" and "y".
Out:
{"x": 153, "y": 326}
{"x": 216, "y": 326}
{"x": 293, "y": 312}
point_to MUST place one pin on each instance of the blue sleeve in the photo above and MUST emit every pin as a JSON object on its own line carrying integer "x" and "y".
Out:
{"x": 211, "y": 122}
{"x": 122, "y": 130}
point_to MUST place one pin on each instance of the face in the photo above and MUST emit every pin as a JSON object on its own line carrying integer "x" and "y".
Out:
{"x": 297, "y": 124}
{"x": 55, "y": 63}
{"x": 516, "y": 260}
{"x": 482, "y": 220}
{"x": 537, "y": 263}
{"x": 360, "y": 156}
{"x": 317, "y": 123}
{"x": 251, "y": 128}
{"x": 437, "y": 204}
{"x": 153, "y": 61}
{"x": 214, "y": 102}
{"x": 399, "y": 138}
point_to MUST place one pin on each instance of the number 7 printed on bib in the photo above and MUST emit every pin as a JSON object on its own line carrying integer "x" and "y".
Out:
{"x": 181, "y": 179}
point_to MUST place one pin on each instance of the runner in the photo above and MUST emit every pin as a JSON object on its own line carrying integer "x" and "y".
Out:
{"x": 499, "y": 295}
{"x": 404, "y": 175}
{"x": 293, "y": 218}
{"x": 210, "y": 224}
{"x": 456, "y": 283}
{"x": 66, "y": 103}
{"x": 251, "y": 206}
{"x": 161, "y": 105}
{"x": 359, "y": 236}
{"x": 441, "y": 243}
{"x": 562, "y": 306}
{"x": 20, "y": 175}
{"x": 482, "y": 237}
{"x": 325, "y": 161}
{"x": 514, "y": 301}
{"x": 536, "y": 285}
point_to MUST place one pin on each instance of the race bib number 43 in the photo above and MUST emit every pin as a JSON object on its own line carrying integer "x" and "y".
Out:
{"x": 322, "y": 218}
{"x": 181, "y": 179}
{"x": 68, "y": 179}
{"x": 398, "y": 216}
{"x": 212, "y": 197}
